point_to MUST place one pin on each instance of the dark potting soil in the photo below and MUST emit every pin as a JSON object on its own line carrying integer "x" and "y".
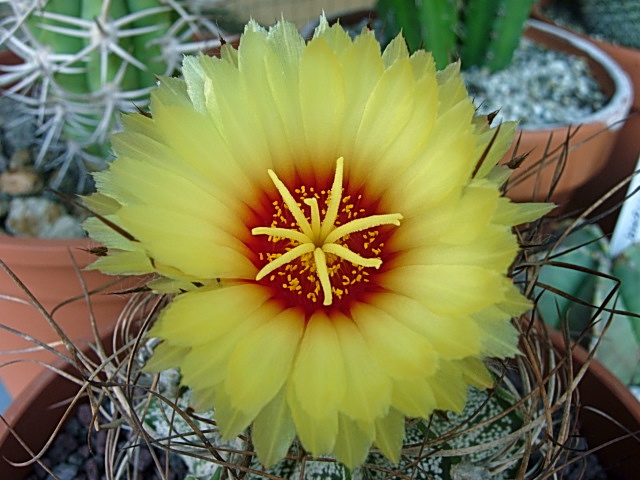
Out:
{"x": 70, "y": 458}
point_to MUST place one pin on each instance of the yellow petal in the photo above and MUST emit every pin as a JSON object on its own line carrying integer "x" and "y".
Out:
{"x": 449, "y": 388}
{"x": 501, "y": 141}
{"x": 193, "y": 245}
{"x": 517, "y": 213}
{"x": 244, "y": 136}
{"x": 337, "y": 38}
{"x": 368, "y": 387}
{"x": 499, "y": 336}
{"x": 414, "y": 398}
{"x": 475, "y": 372}
{"x": 255, "y": 57}
{"x": 390, "y": 434}
{"x": 495, "y": 248}
{"x": 352, "y": 443}
{"x": 206, "y": 364}
{"x": 447, "y": 289}
{"x": 273, "y": 430}
{"x": 319, "y": 372}
{"x": 362, "y": 67}
{"x": 257, "y": 368}
{"x": 456, "y": 336}
{"x": 322, "y": 102}
{"x": 231, "y": 421}
{"x": 318, "y": 432}
{"x": 165, "y": 356}
{"x": 456, "y": 222}
{"x": 410, "y": 141}
{"x": 443, "y": 166}
{"x": 401, "y": 352}
{"x": 180, "y": 125}
{"x": 118, "y": 263}
{"x": 386, "y": 113}
{"x": 207, "y": 314}
{"x": 395, "y": 51}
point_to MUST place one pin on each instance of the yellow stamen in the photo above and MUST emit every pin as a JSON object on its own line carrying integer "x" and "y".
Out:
{"x": 315, "y": 214}
{"x": 285, "y": 258}
{"x": 323, "y": 275}
{"x": 334, "y": 200}
{"x": 296, "y": 235}
{"x": 320, "y": 237}
{"x": 364, "y": 223}
{"x": 290, "y": 202}
{"x": 350, "y": 256}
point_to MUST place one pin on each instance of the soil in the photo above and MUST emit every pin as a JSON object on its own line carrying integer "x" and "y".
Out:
{"x": 82, "y": 463}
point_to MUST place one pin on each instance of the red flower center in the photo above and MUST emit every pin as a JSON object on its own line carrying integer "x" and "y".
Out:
{"x": 322, "y": 246}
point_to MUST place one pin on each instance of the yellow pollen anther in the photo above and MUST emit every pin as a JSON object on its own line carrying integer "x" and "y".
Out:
{"x": 320, "y": 236}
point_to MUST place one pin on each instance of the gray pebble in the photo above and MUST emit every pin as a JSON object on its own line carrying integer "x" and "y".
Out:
{"x": 540, "y": 87}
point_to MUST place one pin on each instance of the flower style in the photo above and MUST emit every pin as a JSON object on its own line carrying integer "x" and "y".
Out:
{"x": 331, "y": 220}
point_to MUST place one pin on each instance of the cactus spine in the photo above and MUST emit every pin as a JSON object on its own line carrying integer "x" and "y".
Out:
{"x": 87, "y": 60}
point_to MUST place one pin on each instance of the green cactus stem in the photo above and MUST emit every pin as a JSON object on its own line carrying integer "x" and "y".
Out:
{"x": 479, "y": 32}
{"x": 85, "y": 61}
{"x": 570, "y": 269}
{"x": 616, "y": 20}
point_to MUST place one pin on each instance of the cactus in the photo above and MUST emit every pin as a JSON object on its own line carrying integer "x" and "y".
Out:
{"x": 616, "y": 20}
{"x": 595, "y": 284}
{"x": 479, "y": 32}
{"x": 473, "y": 444}
{"x": 84, "y": 61}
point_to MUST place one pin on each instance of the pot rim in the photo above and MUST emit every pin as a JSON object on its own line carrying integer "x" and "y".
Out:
{"x": 22, "y": 243}
{"x": 614, "y": 113}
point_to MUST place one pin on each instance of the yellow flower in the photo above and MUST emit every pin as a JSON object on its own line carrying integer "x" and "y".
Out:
{"x": 332, "y": 219}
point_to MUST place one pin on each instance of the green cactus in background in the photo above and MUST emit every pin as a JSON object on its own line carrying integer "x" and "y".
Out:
{"x": 615, "y": 20}
{"x": 582, "y": 268}
{"x": 84, "y": 61}
{"x": 479, "y": 32}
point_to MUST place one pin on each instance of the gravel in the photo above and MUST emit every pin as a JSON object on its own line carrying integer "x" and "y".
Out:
{"x": 540, "y": 87}
{"x": 25, "y": 205}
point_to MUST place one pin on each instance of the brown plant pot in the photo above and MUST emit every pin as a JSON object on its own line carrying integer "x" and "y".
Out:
{"x": 51, "y": 269}
{"x": 46, "y": 268}
{"x": 594, "y": 137}
{"x": 609, "y": 414}
{"x": 626, "y": 151}
{"x": 590, "y": 144}
{"x": 33, "y": 415}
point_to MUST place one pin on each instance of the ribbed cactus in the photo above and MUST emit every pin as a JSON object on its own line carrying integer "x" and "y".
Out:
{"x": 615, "y": 20}
{"x": 479, "y": 32}
{"x": 473, "y": 442}
{"x": 87, "y": 60}
{"x": 590, "y": 279}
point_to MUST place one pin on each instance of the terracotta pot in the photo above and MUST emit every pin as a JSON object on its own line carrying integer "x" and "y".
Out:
{"x": 609, "y": 415}
{"x": 596, "y": 135}
{"x": 36, "y": 411}
{"x": 46, "y": 268}
{"x": 591, "y": 143}
{"x": 33, "y": 415}
{"x": 624, "y": 155}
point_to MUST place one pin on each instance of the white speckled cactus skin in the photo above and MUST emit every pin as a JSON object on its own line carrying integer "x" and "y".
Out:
{"x": 86, "y": 60}
{"x": 615, "y": 20}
